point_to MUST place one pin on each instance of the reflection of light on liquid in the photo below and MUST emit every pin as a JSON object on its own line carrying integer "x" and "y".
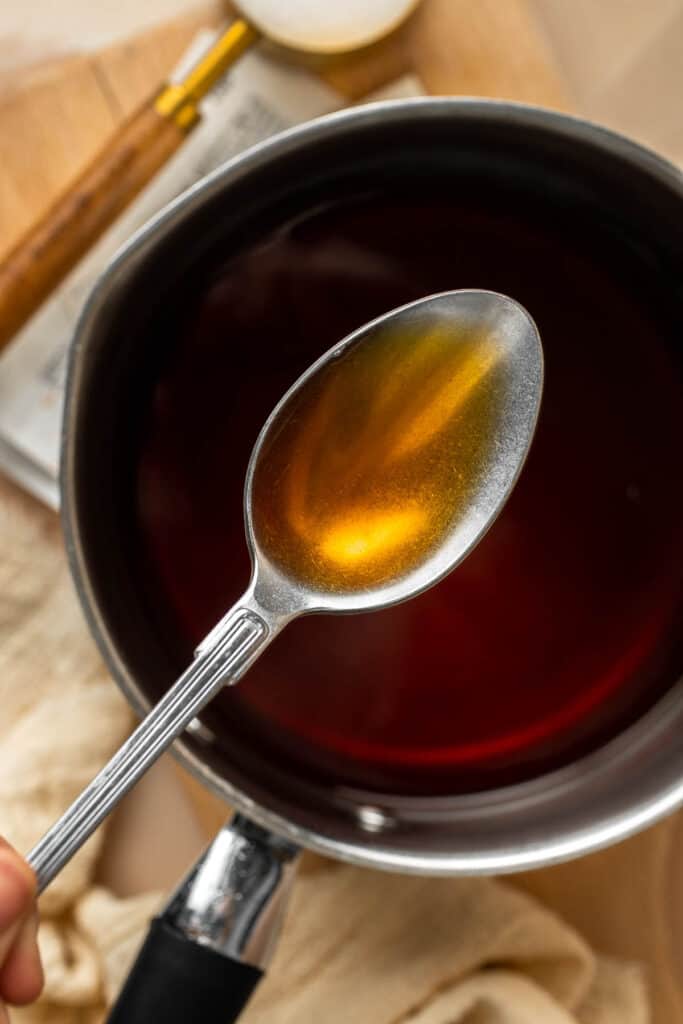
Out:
{"x": 378, "y": 456}
{"x": 367, "y": 536}
{"x": 448, "y": 400}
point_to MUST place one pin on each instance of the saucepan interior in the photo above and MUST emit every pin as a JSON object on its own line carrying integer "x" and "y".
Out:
{"x": 390, "y": 153}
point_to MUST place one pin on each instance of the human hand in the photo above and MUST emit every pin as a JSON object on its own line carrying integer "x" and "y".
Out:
{"x": 21, "y": 973}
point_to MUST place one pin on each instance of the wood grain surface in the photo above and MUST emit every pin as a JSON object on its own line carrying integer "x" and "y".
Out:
{"x": 52, "y": 122}
{"x": 47, "y": 252}
{"x": 56, "y": 117}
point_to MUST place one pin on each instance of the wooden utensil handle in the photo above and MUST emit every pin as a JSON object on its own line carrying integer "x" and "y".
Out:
{"x": 53, "y": 246}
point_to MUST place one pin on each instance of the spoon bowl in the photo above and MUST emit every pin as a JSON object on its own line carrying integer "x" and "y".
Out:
{"x": 480, "y": 344}
{"x": 375, "y": 475}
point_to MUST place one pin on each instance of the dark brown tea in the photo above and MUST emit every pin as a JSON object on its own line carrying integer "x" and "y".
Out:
{"x": 564, "y": 624}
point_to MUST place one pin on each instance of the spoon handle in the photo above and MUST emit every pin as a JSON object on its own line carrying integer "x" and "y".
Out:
{"x": 238, "y": 640}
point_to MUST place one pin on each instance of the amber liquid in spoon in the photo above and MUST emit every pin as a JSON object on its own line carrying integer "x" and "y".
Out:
{"x": 378, "y": 456}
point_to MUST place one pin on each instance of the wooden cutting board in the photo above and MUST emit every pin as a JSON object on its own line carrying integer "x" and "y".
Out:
{"x": 55, "y": 117}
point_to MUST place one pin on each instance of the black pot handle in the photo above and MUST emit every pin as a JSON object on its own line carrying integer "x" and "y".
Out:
{"x": 176, "y": 980}
{"x": 206, "y": 953}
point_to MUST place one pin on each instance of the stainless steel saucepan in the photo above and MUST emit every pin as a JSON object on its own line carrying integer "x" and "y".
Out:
{"x": 208, "y": 949}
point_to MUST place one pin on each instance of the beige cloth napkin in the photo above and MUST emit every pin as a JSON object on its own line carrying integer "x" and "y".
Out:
{"x": 60, "y": 719}
{"x": 358, "y": 945}
{"x": 366, "y": 946}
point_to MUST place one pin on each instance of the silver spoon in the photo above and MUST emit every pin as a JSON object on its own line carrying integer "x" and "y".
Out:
{"x": 360, "y": 428}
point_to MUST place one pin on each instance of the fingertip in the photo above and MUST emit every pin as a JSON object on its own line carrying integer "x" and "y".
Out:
{"x": 21, "y": 976}
{"x": 17, "y": 888}
{"x": 10, "y": 853}
{"x": 23, "y": 867}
